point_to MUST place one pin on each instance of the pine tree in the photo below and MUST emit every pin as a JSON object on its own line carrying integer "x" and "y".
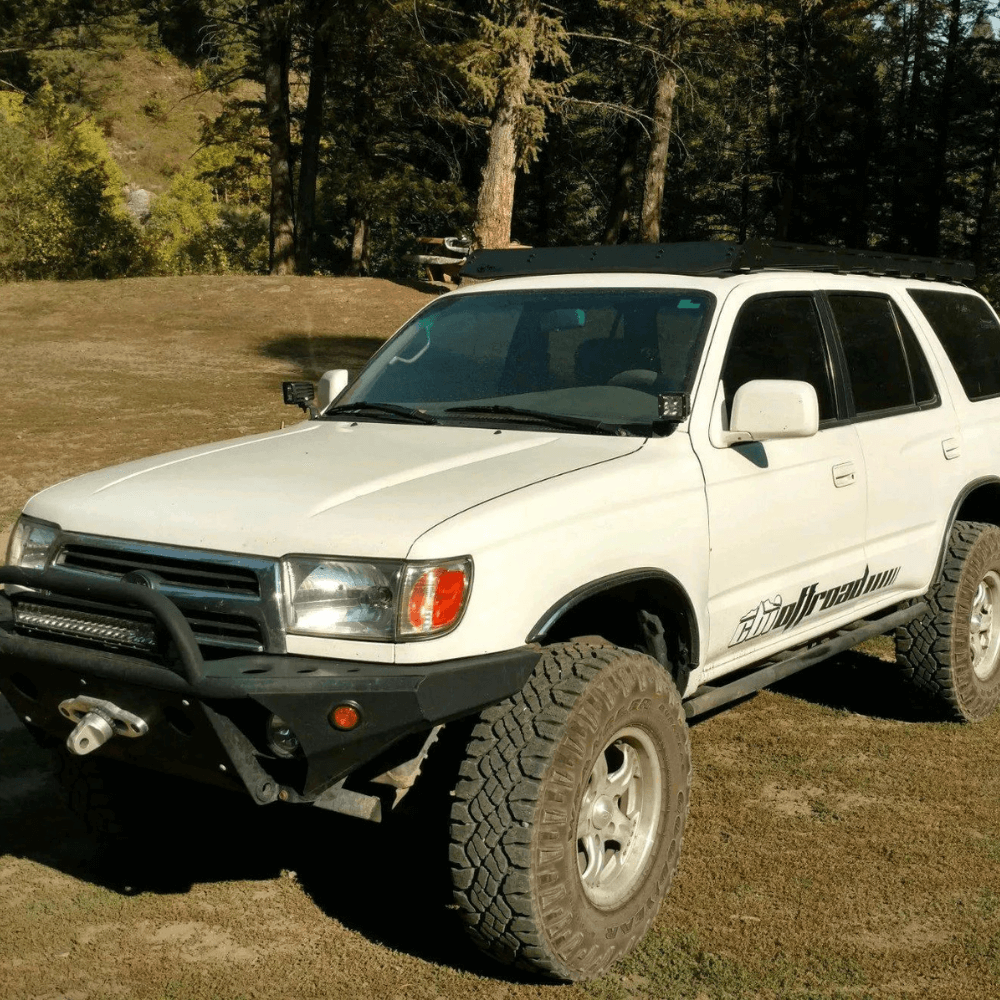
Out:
{"x": 514, "y": 39}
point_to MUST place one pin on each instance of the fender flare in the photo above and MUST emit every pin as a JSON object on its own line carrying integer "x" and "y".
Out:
{"x": 611, "y": 582}
{"x": 964, "y": 495}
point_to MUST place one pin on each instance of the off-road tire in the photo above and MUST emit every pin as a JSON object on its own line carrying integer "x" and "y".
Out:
{"x": 520, "y": 802}
{"x": 935, "y": 652}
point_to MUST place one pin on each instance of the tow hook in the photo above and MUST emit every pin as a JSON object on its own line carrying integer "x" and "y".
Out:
{"x": 97, "y": 721}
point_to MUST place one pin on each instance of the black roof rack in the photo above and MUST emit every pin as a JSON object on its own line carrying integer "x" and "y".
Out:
{"x": 710, "y": 258}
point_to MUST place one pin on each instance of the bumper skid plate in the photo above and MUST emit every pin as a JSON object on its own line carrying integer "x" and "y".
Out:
{"x": 207, "y": 720}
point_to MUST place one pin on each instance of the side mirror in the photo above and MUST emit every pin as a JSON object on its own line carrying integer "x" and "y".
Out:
{"x": 331, "y": 385}
{"x": 770, "y": 409}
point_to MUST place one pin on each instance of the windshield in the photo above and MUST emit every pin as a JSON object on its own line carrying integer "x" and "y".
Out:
{"x": 598, "y": 359}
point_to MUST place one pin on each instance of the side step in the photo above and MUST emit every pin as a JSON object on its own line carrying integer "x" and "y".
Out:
{"x": 785, "y": 664}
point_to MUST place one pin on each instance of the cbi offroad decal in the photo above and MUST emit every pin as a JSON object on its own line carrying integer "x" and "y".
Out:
{"x": 772, "y": 614}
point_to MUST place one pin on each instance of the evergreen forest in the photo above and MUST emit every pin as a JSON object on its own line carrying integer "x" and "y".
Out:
{"x": 340, "y": 131}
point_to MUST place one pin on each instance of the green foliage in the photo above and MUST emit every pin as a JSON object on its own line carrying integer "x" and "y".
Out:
{"x": 510, "y": 36}
{"x": 79, "y": 60}
{"x": 389, "y": 151}
{"x": 183, "y": 225}
{"x": 59, "y": 201}
{"x": 850, "y": 121}
{"x": 180, "y": 25}
{"x": 232, "y": 159}
{"x": 195, "y": 232}
{"x": 401, "y": 205}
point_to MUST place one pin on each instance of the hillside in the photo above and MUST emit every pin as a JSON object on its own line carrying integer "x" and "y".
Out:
{"x": 152, "y": 114}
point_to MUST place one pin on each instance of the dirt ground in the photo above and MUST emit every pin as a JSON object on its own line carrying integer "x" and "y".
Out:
{"x": 841, "y": 843}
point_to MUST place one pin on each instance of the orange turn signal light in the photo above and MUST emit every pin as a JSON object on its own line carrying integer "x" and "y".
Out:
{"x": 345, "y": 717}
{"x": 437, "y": 598}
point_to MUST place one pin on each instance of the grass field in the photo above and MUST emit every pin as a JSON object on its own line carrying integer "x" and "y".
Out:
{"x": 840, "y": 845}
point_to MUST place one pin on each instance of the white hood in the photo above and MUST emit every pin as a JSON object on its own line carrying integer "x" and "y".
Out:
{"x": 332, "y": 487}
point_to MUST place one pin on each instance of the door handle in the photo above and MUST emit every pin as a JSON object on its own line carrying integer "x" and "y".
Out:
{"x": 951, "y": 447}
{"x": 843, "y": 474}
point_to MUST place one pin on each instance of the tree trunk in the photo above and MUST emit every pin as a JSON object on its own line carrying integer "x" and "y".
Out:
{"x": 788, "y": 181}
{"x": 745, "y": 190}
{"x": 276, "y": 55}
{"x": 616, "y": 228}
{"x": 985, "y": 216}
{"x": 865, "y": 155}
{"x": 908, "y": 185}
{"x": 312, "y": 129}
{"x": 495, "y": 205}
{"x": 659, "y": 148}
{"x": 772, "y": 123}
{"x": 898, "y": 166}
{"x": 930, "y": 238}
{"x": 791, "y": 166}
{"x": 360, "y": 250}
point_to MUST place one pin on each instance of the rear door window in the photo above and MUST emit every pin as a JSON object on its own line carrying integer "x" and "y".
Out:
{"x": 886, "y": 369}
{"x": 970, "y": 336}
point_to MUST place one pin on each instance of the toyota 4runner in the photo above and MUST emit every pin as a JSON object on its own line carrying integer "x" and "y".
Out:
{"x": 604, "y": 492}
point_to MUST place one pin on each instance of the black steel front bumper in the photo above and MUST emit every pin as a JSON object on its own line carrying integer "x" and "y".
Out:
{"x": 207, "y": 719}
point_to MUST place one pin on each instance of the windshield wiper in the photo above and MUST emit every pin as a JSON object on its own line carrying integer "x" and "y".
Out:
{"x": 386, "y": 409}
{"x": 561, "y": 420}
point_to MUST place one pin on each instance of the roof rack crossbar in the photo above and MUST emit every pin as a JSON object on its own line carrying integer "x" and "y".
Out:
{"x": 710, "y": 258}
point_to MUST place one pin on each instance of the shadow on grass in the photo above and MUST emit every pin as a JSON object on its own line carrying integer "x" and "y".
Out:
{"x": 388, "y": 882}
{"x": 855, "y": 682}
{"x": 420, "y": 285}
{"x": 862, "y": 684}
{"x": 313, "y": 355}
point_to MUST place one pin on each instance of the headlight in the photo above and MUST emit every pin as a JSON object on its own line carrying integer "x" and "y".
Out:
{"x": 379, "y": 600}
{"x": 337, "y": 597}
{"x": 31, "y": 543}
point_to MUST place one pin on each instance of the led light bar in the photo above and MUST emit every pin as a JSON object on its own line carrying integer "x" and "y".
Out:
{"x": 84, "y": 625}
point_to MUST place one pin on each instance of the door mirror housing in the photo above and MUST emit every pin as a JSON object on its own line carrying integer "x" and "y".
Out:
{"x": 331, "y": 385}
{"x": 770, "y": 409}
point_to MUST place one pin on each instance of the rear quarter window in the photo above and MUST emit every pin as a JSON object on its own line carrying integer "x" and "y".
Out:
{"x": 970, "y": 336}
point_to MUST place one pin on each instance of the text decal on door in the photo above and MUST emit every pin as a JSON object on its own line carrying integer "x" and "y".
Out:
{"x": 772, "y": 613}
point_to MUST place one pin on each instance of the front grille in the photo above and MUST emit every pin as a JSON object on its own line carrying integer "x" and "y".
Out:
{"x": 199, "y": 574}
{"x": 229, "y": 600}
{"x": 235, "y": 631}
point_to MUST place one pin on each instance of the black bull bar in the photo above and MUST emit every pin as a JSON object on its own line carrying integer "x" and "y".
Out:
{"x": 207, "y": 718}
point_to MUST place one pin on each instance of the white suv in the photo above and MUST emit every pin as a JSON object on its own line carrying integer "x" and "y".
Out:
{"x": 564, "y": 509}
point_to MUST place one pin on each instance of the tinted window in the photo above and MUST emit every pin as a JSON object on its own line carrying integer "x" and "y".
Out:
{"x": 876, "y": 364}
{"x": 924, "y": 390}
{"x": 779, "y": 337}
{"x": 969, "y": 333}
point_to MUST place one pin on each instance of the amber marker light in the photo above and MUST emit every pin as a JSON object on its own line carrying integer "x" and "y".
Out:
{"x": 345, "y": 717}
